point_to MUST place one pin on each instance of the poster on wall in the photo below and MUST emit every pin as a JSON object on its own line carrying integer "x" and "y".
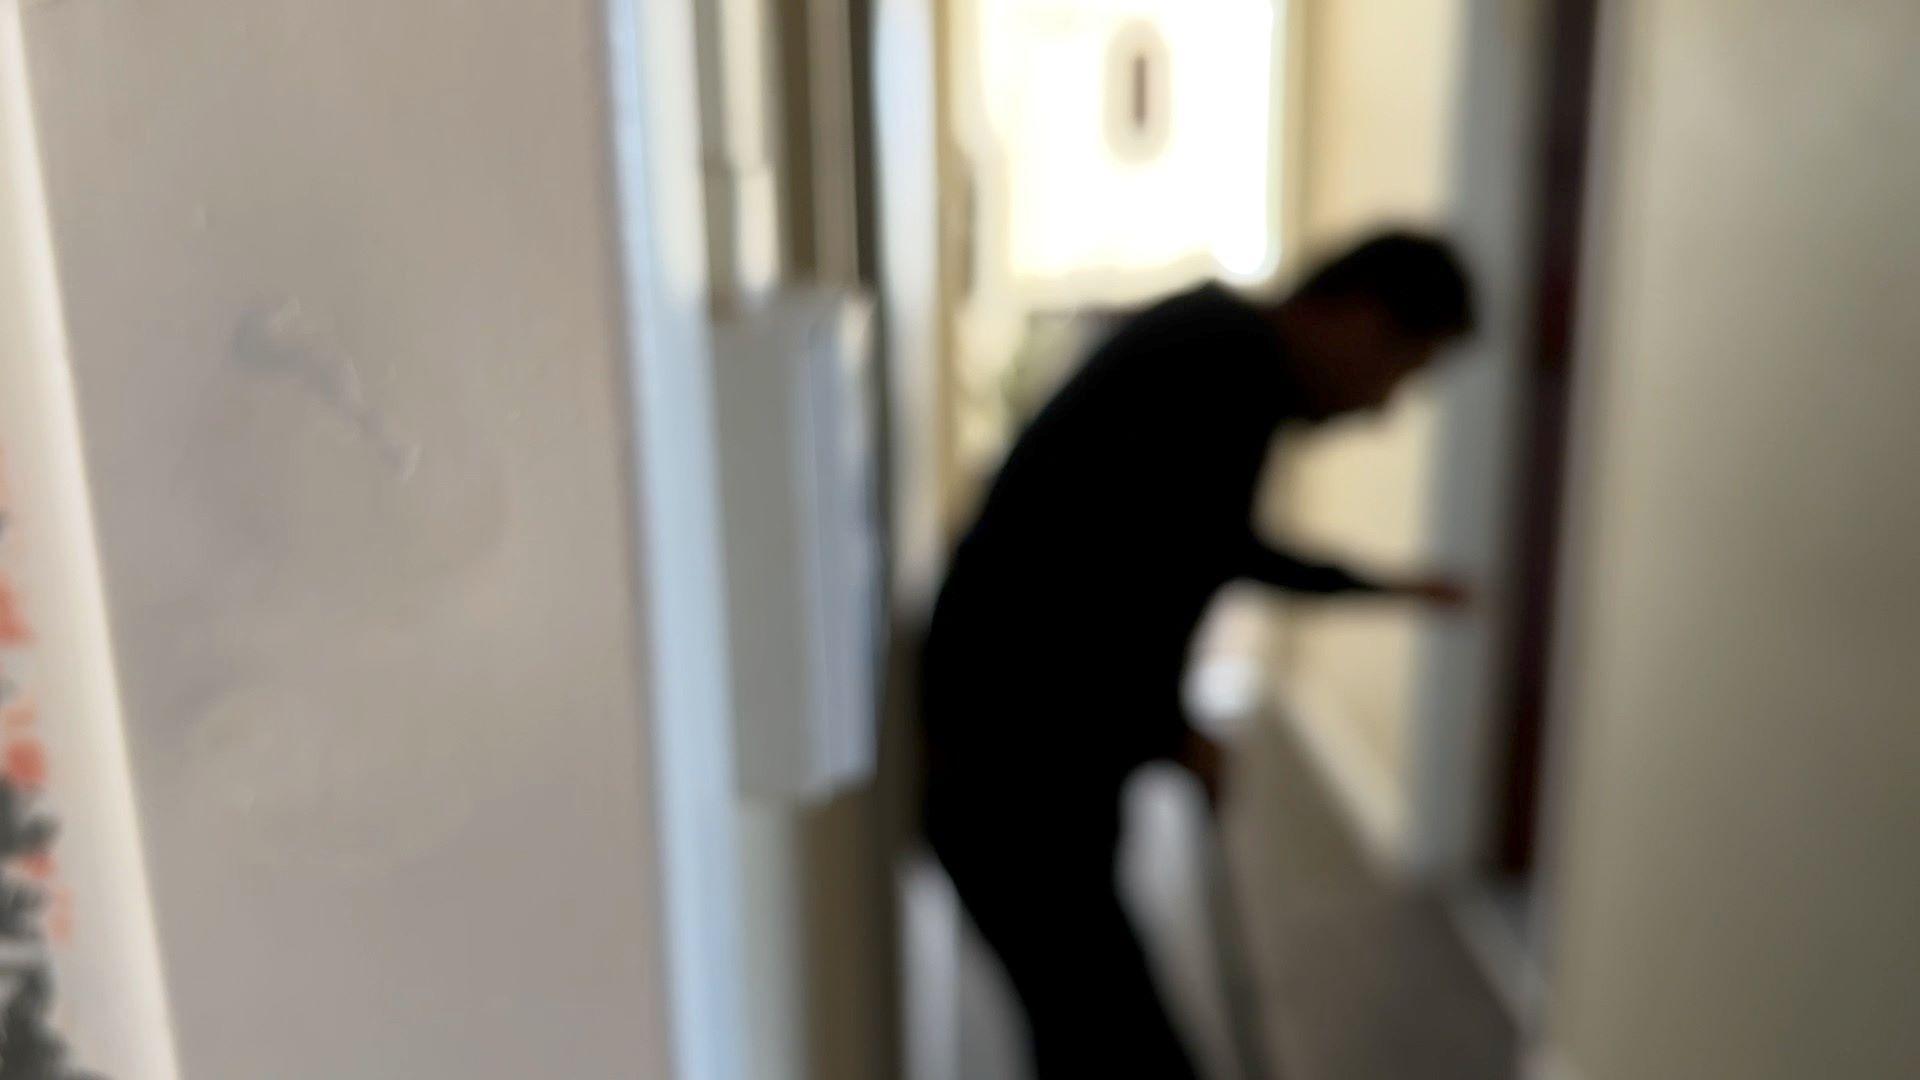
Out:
{"x": 37, "y": 913}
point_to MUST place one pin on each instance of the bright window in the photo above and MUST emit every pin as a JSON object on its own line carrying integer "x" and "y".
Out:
{"x": 1125, "y": 140}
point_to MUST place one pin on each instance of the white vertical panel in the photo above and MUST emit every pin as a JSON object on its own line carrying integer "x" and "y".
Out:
{"x": 658, "y": 162}
{"x": 57, "y": 686}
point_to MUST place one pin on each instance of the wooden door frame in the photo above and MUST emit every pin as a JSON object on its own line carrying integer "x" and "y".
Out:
{"x": 1544, "y": 400}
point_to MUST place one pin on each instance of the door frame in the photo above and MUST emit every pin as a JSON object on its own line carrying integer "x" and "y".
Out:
{"x": 683, "y": 657}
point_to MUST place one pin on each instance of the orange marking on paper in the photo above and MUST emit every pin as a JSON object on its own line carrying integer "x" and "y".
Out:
{"x": 25, "y": 763}
{"x": 13, "y": 624}
{"x": 21, "y": 715}
{"x": 39, "y": 865}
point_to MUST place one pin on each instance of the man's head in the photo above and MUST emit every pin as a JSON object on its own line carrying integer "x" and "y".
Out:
{"x": 1361, "y": 323}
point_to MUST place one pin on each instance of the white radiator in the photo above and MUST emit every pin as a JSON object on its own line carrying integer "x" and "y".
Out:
{"x": 802, "y": 552}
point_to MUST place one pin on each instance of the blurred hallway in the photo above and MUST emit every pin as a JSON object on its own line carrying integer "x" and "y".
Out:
{"x": 474, "y": 480}
{"x": 1357, "y": 979}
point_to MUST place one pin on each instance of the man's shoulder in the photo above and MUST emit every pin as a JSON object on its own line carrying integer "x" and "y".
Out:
{"x": 1209, "y": 310}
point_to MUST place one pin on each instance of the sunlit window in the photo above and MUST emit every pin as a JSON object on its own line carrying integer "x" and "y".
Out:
{"x": 1124, "y": 139}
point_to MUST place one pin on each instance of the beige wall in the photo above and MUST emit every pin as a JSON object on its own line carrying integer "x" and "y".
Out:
{"x": 342, "y": 293}
{"x": 1739, "y": 878}
{"x": 1379, "y": 84}
{"x": 111, "y": 1009}
{"x": 1379, "y": 91}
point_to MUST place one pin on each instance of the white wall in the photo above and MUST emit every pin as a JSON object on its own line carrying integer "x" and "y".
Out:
{"x": 344, "y": 304}
{"x": 907, "y": 195}
{"x": 1377, "y": 133}
{"x": 1738, "y": 886}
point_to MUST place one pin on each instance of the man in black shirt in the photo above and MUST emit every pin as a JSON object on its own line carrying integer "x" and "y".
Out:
{"x": 1054, "y": 663}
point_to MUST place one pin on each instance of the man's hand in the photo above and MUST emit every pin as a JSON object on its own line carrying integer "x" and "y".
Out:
{"x": 1206, "y": 759}
{"x": 1438, "y": 591}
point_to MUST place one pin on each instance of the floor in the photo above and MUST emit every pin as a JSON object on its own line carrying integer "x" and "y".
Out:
{"x": 1344, "y": 978}
{"x": 1358, "y": 981}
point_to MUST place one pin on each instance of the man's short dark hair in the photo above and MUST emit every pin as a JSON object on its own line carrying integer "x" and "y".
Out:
{"x": 1418, "y": 280}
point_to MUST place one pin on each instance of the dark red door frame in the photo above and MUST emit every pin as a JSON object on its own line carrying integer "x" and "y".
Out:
{"x": 1544, "y": 399}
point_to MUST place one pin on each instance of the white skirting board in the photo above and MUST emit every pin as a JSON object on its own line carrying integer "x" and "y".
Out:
{"x": 1373, "y": 800}
{"x": 1499, "y": 947}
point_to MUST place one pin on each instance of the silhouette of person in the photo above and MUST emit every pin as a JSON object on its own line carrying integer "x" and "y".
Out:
{"x": 1054, "y": 662}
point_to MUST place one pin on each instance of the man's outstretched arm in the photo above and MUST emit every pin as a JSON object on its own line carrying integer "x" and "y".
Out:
{"x": 1283, "y": 570}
